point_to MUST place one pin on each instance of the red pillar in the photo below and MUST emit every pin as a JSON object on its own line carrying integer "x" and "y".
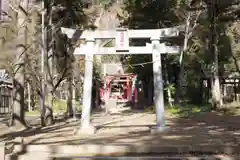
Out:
{"x": 107, "y": 92}
{"x": 129, "y": 90}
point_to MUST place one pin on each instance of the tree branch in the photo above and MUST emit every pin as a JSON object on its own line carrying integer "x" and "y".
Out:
{"x": 60, "y": 80}
{"x": 195, "y": 24}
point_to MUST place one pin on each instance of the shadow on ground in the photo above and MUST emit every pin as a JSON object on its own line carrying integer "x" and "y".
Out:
{"x": 195, "y": 132}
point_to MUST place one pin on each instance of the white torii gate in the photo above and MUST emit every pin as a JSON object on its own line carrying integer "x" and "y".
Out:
{"x": 122, "y": 37}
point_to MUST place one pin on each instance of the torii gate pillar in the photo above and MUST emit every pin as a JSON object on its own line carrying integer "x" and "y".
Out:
{"x": 86, "y": 127}
{"x": 158, "y": 85}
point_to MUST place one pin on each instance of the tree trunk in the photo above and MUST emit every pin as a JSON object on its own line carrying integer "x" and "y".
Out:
{"x": 29, "y": 97}
{"x": 70, "y": 96}
{"x": 169, "y": 94}
{"x": 150, "y": 91}
{"x": 216, "y": 90}
{"x": 97, "y": 96}
{"x": 70, "y": 81}
{"x": 49, "y": 94}
{"x": 43, "y": 63}
{"x": 181, "y": 72}
{"x": 216, "y": 93}
{"x": 18, "y": 80}
{"x": 74, "y": 105}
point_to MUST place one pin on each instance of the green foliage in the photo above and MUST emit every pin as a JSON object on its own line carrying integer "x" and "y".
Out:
{"x": 152, "y": 14}
{"x": 66, "y": 13}
{"x": 198, "y": 58}
{"x": 141, "y": 70}
{"x": 97, "y": 71}
{"x": 172, "y": 88}
{"x": 143, "y": 14}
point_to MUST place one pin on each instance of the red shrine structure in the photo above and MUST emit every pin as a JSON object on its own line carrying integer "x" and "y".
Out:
{"x": 120, "y": 87}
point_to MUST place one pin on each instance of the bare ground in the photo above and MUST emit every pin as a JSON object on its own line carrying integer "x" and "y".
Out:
{"x": 133, "y": 127}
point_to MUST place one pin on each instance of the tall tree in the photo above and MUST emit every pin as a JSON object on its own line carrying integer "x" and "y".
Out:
{"x": 19, "y": 75}
{"x": 61, "y": 14}
{"x": 192, "y": 18}
{"x": 215, "y": 82}
{"x": 146, "y": 15}
{"x": 219, "y": 13}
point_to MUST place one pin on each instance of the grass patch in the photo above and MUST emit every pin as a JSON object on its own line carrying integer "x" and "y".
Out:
{"x": 59, "y": 106}
{"x": 150, "y": 109}
{"x": 32, "y": 113}
{"x": 181, "y": 111}
{"x": 231, "y": 109}
{"x": 187, "y": 110}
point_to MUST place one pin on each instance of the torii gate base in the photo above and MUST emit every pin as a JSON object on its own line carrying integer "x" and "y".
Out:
{"x": 155, "y": 48}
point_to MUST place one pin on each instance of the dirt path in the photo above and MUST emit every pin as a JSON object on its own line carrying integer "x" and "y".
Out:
{"x": 134, "y": 128}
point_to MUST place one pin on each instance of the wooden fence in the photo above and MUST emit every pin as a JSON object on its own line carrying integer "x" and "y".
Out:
{"x": 5, "y": 97}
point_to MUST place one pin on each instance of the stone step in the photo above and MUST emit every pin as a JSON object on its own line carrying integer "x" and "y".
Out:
{"x": 37, "y": 156}
{"x": 128, "y": 149}
{"x": 173, "y": 157}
